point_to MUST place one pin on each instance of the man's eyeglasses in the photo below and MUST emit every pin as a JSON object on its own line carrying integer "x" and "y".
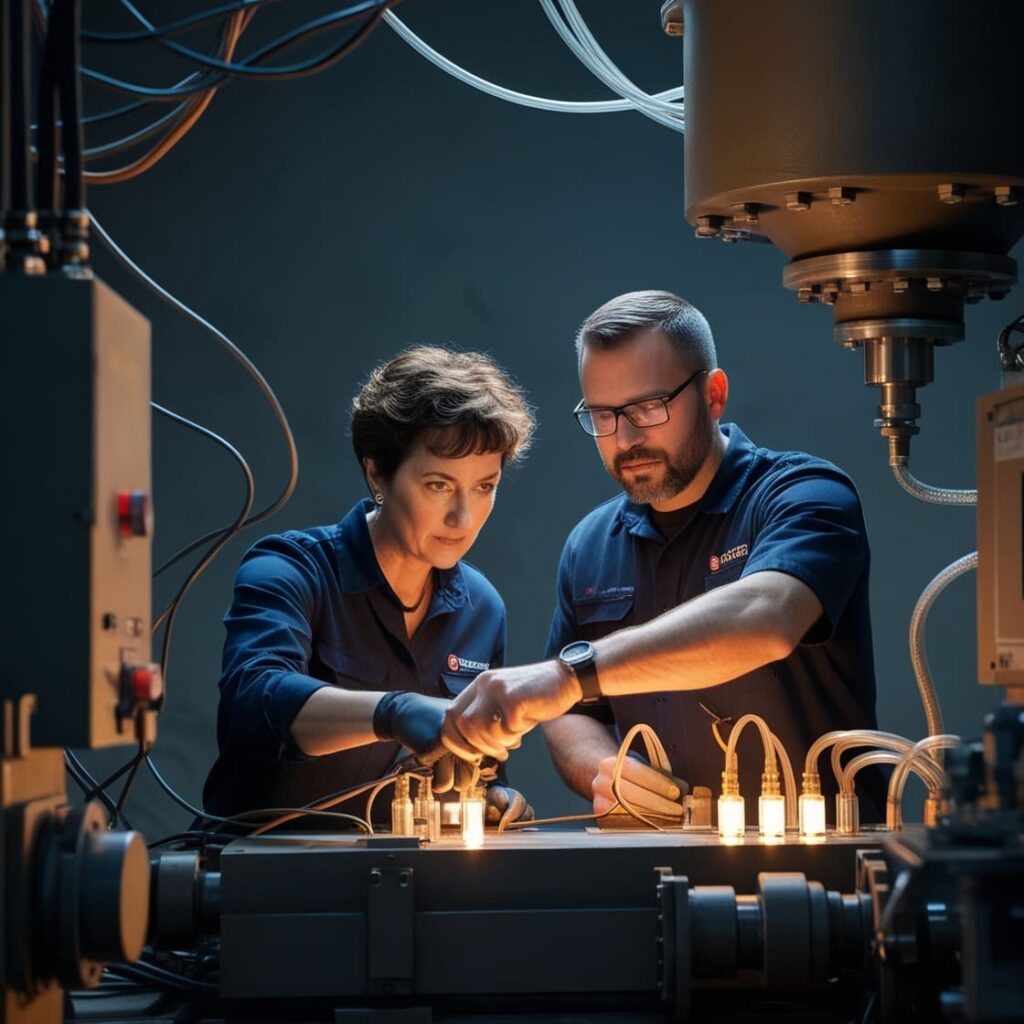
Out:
{"x": 602, "y": 421}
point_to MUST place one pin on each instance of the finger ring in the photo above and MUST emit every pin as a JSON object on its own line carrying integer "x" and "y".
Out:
{"x": 496, "y": 715}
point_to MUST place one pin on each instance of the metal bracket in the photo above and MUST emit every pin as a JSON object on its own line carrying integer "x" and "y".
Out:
{"x": 390, "y": 934}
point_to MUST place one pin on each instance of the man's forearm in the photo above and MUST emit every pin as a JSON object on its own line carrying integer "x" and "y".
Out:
{"x": 710, "y": 640}
{"x": 578, "y": 744}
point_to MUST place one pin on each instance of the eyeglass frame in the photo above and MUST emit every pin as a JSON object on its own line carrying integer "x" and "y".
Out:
{"x": 620, "y": 410}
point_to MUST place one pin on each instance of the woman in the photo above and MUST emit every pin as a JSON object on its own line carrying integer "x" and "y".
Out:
{"x": 345, "y": 643}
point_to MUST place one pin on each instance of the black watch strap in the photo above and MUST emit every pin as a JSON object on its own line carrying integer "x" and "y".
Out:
{"x": 579, "y": 657}
{"x": 587, "y": 676}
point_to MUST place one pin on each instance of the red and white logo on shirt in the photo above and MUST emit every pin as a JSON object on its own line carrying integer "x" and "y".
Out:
{"x": 457, "y": 664}
{"x": 715, "y": 562}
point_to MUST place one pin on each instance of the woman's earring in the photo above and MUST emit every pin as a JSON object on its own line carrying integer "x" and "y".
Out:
{"x": 379, "y": 498}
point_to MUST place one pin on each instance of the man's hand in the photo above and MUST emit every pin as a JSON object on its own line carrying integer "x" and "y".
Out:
{"x": 505, "y": 804}
{"x": 494, "y": 711}
{"x": 414, "y": 720}
{"x": 649, "y": 790}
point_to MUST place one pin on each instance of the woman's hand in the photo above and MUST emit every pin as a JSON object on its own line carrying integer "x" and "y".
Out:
{"x": 413, "y": 720}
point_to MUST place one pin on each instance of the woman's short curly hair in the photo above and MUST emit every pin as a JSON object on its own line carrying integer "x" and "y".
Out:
{"x": 459, "y": 403}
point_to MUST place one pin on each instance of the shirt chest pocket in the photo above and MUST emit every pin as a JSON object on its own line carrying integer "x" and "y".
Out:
{"x": 353, "y": 671}
{"x": 598, "y": 613}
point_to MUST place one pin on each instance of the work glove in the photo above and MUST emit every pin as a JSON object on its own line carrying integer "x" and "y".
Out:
{"x": 414, "y": 721}
{"x": 505, "y": 805}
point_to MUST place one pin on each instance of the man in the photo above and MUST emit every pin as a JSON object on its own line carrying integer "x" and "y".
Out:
{"x": 726, "y": 579}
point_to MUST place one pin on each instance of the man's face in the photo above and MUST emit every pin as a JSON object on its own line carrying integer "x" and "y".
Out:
{"x": 653, "y": 464}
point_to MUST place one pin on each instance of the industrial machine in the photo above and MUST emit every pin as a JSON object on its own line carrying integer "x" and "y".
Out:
{"x": 895, "y": 214}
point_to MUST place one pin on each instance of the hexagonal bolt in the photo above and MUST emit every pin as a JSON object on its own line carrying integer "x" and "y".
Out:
{"x": 935, "y": 284}
{"x": 746, "y": 213}
{"x": 709, "y": 226}
{"x": 798, "y": 200}
{"x": 805, "y": 293}
{"x": 1007, "y": 195}
{"x": 900, "y": 285}
{"x": 858, "y": 287}
{"x": 952, "y": 192}
{"x": 842, "y": 195}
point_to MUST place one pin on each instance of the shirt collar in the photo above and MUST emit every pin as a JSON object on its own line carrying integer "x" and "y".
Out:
{"x": 718, "y": 499}
{"x": 358, "y": 570}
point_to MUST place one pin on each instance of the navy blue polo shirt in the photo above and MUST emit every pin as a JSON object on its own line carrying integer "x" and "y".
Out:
{"x": 312, "y": 608}
{"x": 764, "y": 510}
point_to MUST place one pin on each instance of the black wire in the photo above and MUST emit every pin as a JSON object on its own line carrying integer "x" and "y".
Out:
{"x": 247, "y": 364}
{"x": 161, "y": 978}
{"x": 169, "y": 613}
{"x": 19, "y": 167}
{"x": 5, "y": 108}
{"x": 72, "y": 138}
{"x": 85, "y": 781}
{"x": 101, "y": 787}
{"x": 247, "y": 817}
{"x": 172, "y": 27}
{"x": 46, "y": 134}
{"x": 244, "y": 69}
{"x": 134, "y": 764}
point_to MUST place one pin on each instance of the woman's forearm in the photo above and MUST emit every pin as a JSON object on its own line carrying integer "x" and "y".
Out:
{"x": 334, "y": 719}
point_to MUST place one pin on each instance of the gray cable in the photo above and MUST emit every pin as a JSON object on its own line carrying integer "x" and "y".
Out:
{"x": 918, "y": 652}
{"x": 510, "y": 95}
{"x": 935, "y": 495}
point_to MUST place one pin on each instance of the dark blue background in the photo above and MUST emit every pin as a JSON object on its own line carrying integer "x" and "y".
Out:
{"x": 325, "y": 223}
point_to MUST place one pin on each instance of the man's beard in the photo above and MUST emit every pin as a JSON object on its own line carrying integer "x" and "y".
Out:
{"x": 664, "y": 481}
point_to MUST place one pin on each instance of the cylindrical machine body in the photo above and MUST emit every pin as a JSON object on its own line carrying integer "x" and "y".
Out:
{"x": 887, "y": 100}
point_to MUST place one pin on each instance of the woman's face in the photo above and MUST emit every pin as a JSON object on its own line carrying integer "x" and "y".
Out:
{"x": 434, "y": 506}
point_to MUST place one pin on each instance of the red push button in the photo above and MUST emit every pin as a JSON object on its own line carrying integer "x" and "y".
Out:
{"x": 133, "y": 515}
{"x": 141, "y": 684}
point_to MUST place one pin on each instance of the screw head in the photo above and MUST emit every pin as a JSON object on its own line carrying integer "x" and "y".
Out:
{"x": 951, "y": 193}
{"x": 1007, "y": 195}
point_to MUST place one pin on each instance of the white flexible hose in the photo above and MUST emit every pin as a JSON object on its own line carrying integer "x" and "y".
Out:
{"x": 578, "y": 38}
{"x": 918, "y": 651}
{"x": 510, "y": 95}
{"x": 893, "y": 810}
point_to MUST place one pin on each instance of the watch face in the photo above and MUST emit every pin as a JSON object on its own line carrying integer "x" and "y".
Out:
{"x": 577, "y": 652}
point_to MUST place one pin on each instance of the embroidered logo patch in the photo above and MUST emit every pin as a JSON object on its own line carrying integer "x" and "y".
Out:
{"x": 715, "y": 562}
{"x": 457, "y": 664}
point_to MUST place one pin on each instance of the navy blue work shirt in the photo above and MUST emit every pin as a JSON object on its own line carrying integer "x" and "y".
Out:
{"x": 764, "y": 510}
{"x": 312, "y": 608}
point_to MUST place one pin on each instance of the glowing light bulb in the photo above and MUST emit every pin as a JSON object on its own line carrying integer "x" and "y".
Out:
{"x": 812, "y": 817}
{"x": 771, "y": 817}
{"x": 473, "y": 818}
{"x": 732, "y": 822}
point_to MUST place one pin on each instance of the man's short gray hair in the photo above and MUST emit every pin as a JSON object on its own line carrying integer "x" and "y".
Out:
{"x": 633, "y": 313}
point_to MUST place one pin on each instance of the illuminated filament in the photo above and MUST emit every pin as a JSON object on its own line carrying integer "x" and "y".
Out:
{"x": 771, "y": 816}
{"x": 731, "y": 818}
{"x": 473, "y": 818}
{"x": 812, "y": 816}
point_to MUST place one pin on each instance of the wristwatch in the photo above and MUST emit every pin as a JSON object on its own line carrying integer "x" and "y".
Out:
{"x": 578, "y": 657}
